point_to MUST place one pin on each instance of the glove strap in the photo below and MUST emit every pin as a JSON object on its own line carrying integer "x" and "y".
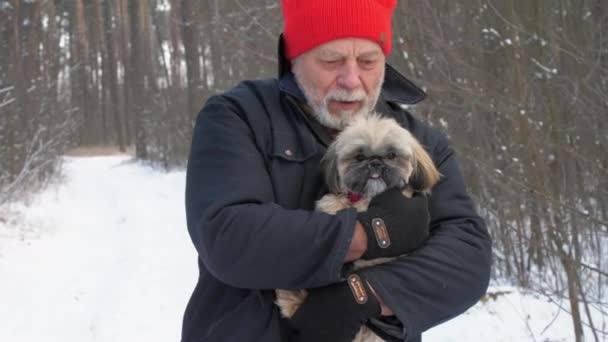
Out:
{"x": 357, "y": 288}
{"x": 378, "y": 238}
{"x": 381, "y": 233}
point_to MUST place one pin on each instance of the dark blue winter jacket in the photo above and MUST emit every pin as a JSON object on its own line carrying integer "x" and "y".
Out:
{"x": 252, "y": 180}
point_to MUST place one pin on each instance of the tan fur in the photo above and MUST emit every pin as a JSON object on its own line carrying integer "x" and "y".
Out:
{"x": 425, "y": 168}
{"x": 421, "y": 165}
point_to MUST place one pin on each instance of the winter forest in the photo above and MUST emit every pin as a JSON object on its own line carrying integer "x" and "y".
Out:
{"x": 520, "y": 88}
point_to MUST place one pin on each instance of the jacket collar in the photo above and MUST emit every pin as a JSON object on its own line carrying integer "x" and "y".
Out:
{"x": 396, "y": 88}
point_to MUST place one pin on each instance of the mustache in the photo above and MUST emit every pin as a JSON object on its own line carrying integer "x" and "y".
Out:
{"x": 345, "y": 95}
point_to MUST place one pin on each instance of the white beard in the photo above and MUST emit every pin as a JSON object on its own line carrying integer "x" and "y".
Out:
{"x": 320, "y": 110}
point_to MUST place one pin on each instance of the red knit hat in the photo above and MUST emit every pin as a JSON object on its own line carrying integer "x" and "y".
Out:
{"x": 309, "y": 23}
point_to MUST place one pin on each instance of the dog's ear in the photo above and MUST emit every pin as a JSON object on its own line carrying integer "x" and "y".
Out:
{"x": 425, "y": 175}
{"x": 329, "y": 165}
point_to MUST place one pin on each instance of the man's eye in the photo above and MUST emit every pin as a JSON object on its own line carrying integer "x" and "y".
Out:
{"x": 368, "y": 62}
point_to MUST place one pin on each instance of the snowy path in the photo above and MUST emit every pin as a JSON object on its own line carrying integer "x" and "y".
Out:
{"x": 105, "y": 256}
{"x": 113, "y": 261}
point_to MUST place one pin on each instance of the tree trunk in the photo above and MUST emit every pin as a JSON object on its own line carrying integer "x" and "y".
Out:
{"x": 191, "y": 47}
{"x": 112, "y": 81}
{"x": 128, "y": 107}
{"x": 14, "y": 156}
{"x": 81, "y": 91}
{"x": 139, "y": 61}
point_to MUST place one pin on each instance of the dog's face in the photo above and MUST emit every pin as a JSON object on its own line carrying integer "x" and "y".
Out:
{"x": 373, "y": 154}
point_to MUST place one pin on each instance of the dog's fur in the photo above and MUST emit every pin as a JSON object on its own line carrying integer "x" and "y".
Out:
{"x": 370, "y": 155}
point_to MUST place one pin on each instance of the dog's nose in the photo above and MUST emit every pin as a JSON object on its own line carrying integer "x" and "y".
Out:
{"x": 376, "y": 164}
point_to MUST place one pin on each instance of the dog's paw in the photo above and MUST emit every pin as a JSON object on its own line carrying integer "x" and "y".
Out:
{"x": 331, "y": 204}
{"x": 366, "y": 335}
{"x": 289, "y": 301}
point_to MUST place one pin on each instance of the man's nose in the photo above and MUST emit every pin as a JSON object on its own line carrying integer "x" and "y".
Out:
{"x": 349, "y": 76}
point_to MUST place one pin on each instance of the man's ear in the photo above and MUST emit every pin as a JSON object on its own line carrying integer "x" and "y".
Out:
{"x": 329, "y": 165}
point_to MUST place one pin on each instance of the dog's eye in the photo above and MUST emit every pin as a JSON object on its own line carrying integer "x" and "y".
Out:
{"x": 391, "y": 155}
{"x": 360, "y": 157}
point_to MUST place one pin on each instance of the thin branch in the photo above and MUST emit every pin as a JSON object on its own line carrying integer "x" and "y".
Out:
{"x": 4, "y": 90}
{"x": 594, "y": 269}
{"x": 7, "y": 102}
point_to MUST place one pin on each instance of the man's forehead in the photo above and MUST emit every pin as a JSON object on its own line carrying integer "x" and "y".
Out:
{"x": 348, "y": 47}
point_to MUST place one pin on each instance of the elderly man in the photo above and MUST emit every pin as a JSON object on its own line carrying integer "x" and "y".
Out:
{"x": 253, "y": 178}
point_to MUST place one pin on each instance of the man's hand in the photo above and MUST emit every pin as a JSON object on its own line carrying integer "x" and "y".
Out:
{"x": 336, "y": 312}
{"x": 358, "y": 244}
{"x": 395, "y": 224}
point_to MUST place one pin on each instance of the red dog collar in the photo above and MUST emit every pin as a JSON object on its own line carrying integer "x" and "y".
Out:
{"x": 354, "y": 197}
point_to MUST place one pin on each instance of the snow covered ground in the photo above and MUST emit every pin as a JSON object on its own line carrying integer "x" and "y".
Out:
{"x": 104, "y": 255}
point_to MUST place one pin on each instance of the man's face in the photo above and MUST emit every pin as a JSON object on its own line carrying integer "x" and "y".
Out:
{"x": 341, "y": 79}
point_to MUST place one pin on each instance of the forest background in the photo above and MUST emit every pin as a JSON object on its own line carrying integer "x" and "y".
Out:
{"x": 520, "y": 88}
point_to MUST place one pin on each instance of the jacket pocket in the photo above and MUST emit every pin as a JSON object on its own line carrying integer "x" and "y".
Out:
{"x": 292, "y": 148}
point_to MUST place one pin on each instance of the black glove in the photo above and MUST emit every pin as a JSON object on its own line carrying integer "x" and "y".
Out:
{"x": 335, "y": 313}
{"x": 395, "y": 224}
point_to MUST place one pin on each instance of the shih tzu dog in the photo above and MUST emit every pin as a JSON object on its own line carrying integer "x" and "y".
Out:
{"x": 371, "y": 155}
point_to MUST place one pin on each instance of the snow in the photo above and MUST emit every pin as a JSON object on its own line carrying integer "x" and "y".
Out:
{"x": 543, "y": 67}
{"x": 104, "y": 255}
{"x": 491, "y": 30}
{"x": 515, "y": 316}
